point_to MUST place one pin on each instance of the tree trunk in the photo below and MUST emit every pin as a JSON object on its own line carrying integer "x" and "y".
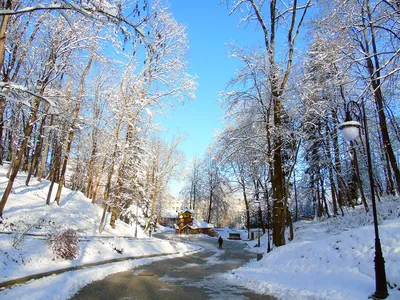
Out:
{"x": 210, "y": 206}
{"x": 115, "y": 210}
{"x": 103, "y": 218}
{"x": 324, "y": 198}
{"x": 357, "y": 172}
{"x": 55, "y": 170}
{"x": 3, "y": 36}
{"x": 36, "y": 154}
{"x": 375, "y": 75}
{"x": 390, "y": 186}
{"x": 278, "y": 233}
{"x": 194, "y": 196}
{"x": 112, "y": 161}
{"x": 61, "y": 181}
{"x": 20, "y": 153}
{"x": 320, "y": 207}
{"x": 246, "y": 203}
{"x": 2, "y": 107}
{"x": 390, "y": 189}
{"x": 71, "y": 131}
{"x": 295, "y": 197}
{"x": 89, "y": 185}
{"x": 153, "y": 203}
{"x": 13, "y": 140}
{"x": 338, "y": 164}
{"x": 55, "y": 154}
{"x": 44, "y": 156}
{"x": 98, "y": 179}
{"x": 9, "y": 145}
{"x": 331, "y": 180}
{"x": 25, "y": 158}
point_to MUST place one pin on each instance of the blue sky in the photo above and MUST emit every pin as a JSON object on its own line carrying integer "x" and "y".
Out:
{"x": 210, "y": 29}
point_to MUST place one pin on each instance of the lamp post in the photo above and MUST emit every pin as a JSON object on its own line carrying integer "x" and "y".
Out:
{"x": 350, "y": 131}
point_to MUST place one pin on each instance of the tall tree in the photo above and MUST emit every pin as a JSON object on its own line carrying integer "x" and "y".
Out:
{"x": 103, "y": 12}
{"x": 369, "y": 48}
{"x": 192, "y": 189}
{"x": 75, "y": 116}
{"x": 53, "y": 61}
{"x": 270, "y": 20}
{"x": 165, "y": 159}
{"x": 161, "y": 77}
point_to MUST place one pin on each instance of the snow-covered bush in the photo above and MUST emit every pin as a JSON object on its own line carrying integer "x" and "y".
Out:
{"x": 64, "y": 244}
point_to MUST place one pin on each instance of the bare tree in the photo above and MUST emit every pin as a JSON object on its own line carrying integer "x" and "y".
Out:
{"x": 271, "y": 19}
{"x": 56, "y": 54}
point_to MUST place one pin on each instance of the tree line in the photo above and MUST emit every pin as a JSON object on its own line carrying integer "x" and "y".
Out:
{"x": 82, "y": 82}
{"x": 281, "y": 148}
{"x": 81, "y": 85}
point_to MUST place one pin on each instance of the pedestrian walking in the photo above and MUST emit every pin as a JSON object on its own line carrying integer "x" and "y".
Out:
{"x": 220, "y": 241}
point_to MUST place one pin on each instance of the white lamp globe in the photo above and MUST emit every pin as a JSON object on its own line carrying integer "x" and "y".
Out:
{"x": 350, "y": 130}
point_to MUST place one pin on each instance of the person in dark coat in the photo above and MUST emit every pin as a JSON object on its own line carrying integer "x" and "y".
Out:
{"x": 220, "y": 241}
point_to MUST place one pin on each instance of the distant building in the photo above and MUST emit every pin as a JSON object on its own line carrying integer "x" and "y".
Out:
{"x": 186, "y": 224}
{"x": 173, "y": 204}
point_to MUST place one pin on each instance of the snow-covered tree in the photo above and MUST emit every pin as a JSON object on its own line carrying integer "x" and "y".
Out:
{"x": 272, "y": 19}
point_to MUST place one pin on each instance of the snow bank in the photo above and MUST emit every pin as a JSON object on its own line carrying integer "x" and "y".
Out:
{"x": 23, "y": 241}
{"x": 329, "y": 259}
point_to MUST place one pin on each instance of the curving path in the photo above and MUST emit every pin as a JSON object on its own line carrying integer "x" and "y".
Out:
{"x": 198, "y": 276}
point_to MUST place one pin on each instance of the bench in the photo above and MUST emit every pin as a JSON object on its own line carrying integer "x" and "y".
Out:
{"x": 234, "y": 236}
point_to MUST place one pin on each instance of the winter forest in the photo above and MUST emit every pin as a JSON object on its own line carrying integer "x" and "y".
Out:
{"x": 82, "y": 83}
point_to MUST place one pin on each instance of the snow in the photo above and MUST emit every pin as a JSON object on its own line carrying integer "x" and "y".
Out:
{"x": 332, "y": 258}
{"x": 329, "y": 259}
{"x": 200, "y": 224}
{"x": 24, "y": 250}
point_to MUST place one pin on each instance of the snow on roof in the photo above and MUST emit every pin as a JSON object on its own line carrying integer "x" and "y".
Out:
{"x": 185, "y": 210}
{"x": 255, "y": 229}
{"x": 201, "y": 224}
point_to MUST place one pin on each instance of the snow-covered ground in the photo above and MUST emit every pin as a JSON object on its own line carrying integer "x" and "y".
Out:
{"x": 328, "y": 259}
{"x": 24, "y": 251}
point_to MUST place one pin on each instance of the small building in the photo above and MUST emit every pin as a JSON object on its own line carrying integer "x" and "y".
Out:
{"x": 201, "y": 227}
{"x": 234, "y": 236}
{"x": 186, "y": 224}
{"x": 185, "y": 220}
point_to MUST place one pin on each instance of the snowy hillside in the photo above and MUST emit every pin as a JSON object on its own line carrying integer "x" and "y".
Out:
{"x": 329, "y": 259}
{"x": 27, "y": 207}
{"x": 24, "y": 250}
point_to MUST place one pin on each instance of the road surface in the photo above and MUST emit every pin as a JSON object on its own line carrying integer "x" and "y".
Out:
{"x": 193, "y": 277}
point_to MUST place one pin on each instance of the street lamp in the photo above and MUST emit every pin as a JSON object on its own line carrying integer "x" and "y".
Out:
{"x": 350, "y": 131}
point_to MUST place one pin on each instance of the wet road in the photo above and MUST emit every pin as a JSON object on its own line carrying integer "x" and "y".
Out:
{"x": 194, "y": 277}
